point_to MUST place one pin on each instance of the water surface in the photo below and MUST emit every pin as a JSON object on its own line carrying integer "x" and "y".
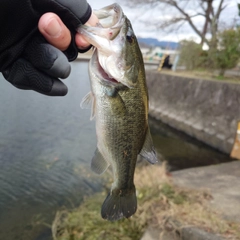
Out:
{"x": 46, "y": 144}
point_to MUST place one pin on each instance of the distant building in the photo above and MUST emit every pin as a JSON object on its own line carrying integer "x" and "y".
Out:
{"x": 156, "y": 53}
{"x": 153, "y": 50}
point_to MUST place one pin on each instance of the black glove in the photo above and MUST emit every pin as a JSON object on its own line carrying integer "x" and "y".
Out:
{"x": 26, "y": 60}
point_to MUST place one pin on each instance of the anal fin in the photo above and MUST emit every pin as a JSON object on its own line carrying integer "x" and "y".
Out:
{"x": 99, "y": 165}
{"x": 148, "y": 150}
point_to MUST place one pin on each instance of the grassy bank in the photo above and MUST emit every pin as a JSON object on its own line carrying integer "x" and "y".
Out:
{"x": 161, "y": 205}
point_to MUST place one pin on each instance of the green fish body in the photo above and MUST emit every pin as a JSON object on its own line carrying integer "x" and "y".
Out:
{"x": 120, "y": 107}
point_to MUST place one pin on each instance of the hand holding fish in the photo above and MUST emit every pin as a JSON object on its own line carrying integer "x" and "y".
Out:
{"x": 58, "y": 35}
{"x": 28, "y": 60}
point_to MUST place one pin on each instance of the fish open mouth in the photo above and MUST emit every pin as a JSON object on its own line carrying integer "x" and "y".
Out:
{"x": 101, "y": 71}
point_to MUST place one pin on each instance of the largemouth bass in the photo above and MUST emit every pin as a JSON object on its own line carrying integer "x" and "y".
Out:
{"x": 120, "y": 106}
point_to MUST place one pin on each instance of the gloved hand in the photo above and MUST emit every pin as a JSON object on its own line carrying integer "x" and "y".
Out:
{"x": 26, "y": 59}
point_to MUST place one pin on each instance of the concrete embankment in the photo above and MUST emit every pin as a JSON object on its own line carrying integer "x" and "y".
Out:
{"x": 205, "y": 109}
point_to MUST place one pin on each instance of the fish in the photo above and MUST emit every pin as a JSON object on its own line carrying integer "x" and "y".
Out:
{"x": 119, "y": 102}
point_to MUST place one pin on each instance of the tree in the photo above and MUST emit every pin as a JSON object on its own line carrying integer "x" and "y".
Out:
{"x": 224, "y": 56}
{"x": 191, "y": 55}
{"x": 227, "y": 54}
{"x": 208, "y": 11}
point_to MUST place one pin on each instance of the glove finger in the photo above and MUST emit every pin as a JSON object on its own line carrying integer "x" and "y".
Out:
{"x": 23, "y": 75}
{"x": 72, "y": 12}
{"x": 47, "y": 58}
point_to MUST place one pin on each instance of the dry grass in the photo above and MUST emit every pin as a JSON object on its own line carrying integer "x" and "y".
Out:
{"x": 171, "y": 208}
{"x": 161, "y": 205}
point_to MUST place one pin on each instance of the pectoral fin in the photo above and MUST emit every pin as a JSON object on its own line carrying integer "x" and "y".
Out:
{"x": 89, "y": 102}
{"x": 148, "y": 151}
{"x": 99, "y": 165}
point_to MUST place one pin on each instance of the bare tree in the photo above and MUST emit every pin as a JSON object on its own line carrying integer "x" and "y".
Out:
{"x": 208, "y": 10}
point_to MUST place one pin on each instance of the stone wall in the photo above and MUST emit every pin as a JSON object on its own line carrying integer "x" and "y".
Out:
{"x": 207, "y": 110}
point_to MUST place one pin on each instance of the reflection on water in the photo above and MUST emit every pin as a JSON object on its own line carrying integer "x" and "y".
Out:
{"x": 46, "y": 144}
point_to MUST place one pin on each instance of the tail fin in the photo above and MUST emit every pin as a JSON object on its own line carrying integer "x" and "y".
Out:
{"x": 119, "y": 203}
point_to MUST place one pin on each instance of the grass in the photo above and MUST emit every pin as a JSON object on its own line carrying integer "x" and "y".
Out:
{"x": 86, "y": 223}
{"x": 161, "y": 205}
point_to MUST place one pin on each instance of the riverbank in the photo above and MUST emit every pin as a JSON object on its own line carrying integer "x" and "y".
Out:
{"x": 220, "y": 182}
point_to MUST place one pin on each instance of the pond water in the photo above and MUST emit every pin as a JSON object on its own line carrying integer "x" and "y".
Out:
{"x": 46, "y": 144}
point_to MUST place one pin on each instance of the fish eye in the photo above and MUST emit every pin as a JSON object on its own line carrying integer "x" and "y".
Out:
{"x": 130, "y": 38}
{"x": 130, "y": 35}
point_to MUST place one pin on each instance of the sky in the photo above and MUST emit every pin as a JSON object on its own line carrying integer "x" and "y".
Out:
{"x": 137, "y": 16}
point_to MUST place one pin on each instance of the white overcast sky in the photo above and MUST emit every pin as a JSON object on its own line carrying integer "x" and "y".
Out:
{"x": 136, "y": 15}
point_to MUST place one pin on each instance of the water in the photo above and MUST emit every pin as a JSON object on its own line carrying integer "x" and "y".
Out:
{"x": 182, "y": 151}
{"x": 46, "y": 144}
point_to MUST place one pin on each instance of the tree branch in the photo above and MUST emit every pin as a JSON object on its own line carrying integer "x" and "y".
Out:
{"x": 219, "y": 10}
{"x": 202, "y": 8}
{"x": 187, "y": 17}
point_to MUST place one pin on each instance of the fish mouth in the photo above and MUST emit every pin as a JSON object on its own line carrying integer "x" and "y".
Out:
{"x": 110, "y": 17}
{"x": 110, "y": 40}
{"x": 111, "y": 20}
{"x": 96, "y": 67}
